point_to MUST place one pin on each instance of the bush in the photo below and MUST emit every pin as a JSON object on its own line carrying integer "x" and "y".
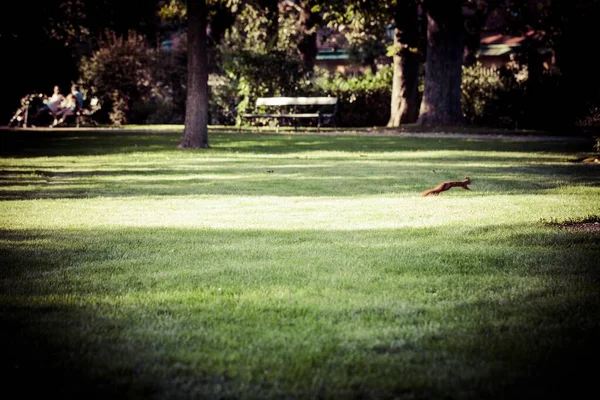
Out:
{"x": 362, "y": 100}
{"x": 120, "y": 73}
{"x": 170, "y": 72}
{"x": 137, "y": 84}
{"x": 493, "y": 97}
{"x": 156, "y": 111}
{"x": 591, "y": 119}
{"x": 249, "y": 75}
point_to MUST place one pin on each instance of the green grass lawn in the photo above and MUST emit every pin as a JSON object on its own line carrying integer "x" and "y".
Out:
{"x": 295, "y": 266}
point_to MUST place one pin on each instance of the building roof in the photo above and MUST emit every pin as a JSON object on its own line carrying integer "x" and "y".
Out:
{"x": 499, "y": 44}
{"x": 501, "y": 39}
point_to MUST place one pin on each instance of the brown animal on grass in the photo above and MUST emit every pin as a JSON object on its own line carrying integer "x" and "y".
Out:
{"x": 446, "y": 186}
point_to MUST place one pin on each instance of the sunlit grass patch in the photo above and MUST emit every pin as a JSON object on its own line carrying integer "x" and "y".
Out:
{"x": 280, "y": 266}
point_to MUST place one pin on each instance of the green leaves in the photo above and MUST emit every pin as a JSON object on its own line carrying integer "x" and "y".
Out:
{"x": 120, "y": 72}
{"x": 173, "y": 9}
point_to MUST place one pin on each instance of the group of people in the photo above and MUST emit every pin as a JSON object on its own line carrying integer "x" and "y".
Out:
{"x": 61, "y": 107}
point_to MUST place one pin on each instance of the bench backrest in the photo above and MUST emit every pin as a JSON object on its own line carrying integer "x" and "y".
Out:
{"x": 296, "y": 101}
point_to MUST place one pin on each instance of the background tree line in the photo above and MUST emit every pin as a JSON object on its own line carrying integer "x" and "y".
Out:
{"x": 268, "y": 47}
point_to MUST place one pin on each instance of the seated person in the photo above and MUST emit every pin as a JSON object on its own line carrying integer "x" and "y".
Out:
{"x": 52, "y": 104}
{"x": 78, "y": 96}
{"x": 67, "y": 108}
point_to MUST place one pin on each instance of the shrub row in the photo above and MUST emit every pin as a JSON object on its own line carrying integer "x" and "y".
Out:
{"x": 138, "y": 84}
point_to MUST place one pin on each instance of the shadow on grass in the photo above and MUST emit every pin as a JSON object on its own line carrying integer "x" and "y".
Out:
{"x": 232, "y": 166}
{"x": 32, "y": 143}
{"x": 137, "y": 313}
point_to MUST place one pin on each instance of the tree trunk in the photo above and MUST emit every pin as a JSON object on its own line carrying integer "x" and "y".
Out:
{"x": 195, "y": 133}
{"x": 535, "y": 108}
{"x": 308, "y": 44}
{"x": 405, "y": 96}
{"x": 441, "y": 104}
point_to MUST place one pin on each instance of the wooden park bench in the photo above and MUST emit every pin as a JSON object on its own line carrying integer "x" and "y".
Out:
{"x": 321, "y": 109}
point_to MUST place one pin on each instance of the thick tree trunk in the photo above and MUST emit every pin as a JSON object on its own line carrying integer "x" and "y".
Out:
{"x": 195, "y": 133}
{"x": 405, "y": 95}
{"x": 535, "y": 109}
{"x": 441, "y": 104}
{"x": 308, "y": 44}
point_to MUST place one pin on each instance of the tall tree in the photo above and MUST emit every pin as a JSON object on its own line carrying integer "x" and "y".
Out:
{"x": 307, "y": 26}
{"x": 195, "y": 133}
{"x": 558, "y": 35}
{"x": 574, "y": 25}
{"x": 364, "y": 24}
{"x": 441, "y": 104}
{"x": 405, "y": 94}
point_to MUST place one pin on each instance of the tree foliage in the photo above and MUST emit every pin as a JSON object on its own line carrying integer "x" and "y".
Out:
{"x": 261, "y": 47}
{"x": 121, "y": 73}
